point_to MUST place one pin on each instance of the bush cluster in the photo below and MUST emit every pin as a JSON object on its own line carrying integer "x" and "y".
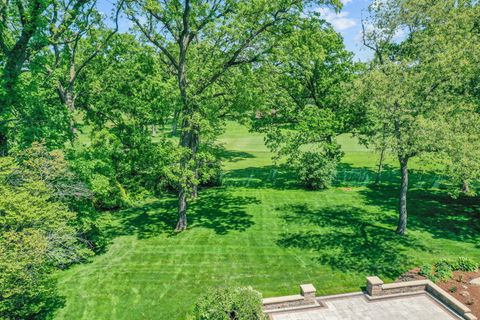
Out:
{"x": 443, "y": 269}
{"x": 315, "y": 170}
{"x": 124, "y": 165}
{"x": 230, "y": 303}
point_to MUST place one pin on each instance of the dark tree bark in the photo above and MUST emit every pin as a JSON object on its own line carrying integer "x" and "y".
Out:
{"x": 175, "y": 122}
{"x": 402, "y": 206}
{"x": 189, "y": 139}
{"x": 182, "y": 211}
{"x": 189, "y": 135}
{"x": 13, "y": 68}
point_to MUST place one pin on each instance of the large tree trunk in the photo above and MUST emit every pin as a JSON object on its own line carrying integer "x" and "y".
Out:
{"x": 175, "y": 122}
{"x": 189, "y": 136}
{"x": 186, "y": 136}
{"x": 12, "y": 70}
{"x": 402, "y": 205}
{"x": 189, "y": 139}
{"x": 67, "y": 97}
{"x": 182, "y": 210}
{"x": 14, "y": 61}
{"x": 70, "y": 102}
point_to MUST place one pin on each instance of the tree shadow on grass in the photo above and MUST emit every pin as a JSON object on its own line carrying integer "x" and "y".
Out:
{"x": 221, "y": 211}
{"x": 215, "y": 209}
{"x": 234, "y": 155}
{"x": 350, "y": 240}
{"x": 432, "y": 210}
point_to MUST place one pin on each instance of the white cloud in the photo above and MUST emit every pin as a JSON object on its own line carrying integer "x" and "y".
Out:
{"x": 340, "y": 21}
{"x": 345, "y": 1}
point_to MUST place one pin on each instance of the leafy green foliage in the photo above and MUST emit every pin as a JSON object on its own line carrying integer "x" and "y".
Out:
{"x": 27, "y": 289}
{"x": 443, "y": 269}
{"x": 414, "y": 89}
{"x": 26, "y": 29}
{"x": 120, "y": 162}
{"x": 315, "y": 170}
{"x": 229, "y": 303}
{"x": 306, "y": 110}
{"x": 464, "y": 264}
{"x": 38, "y": 233}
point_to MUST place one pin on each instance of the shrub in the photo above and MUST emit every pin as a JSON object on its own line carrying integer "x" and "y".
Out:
{"x": 210, "y": 168}
{"x": 108, "y": 193}
{"x": 39, "y": 234}
{"x": 123, "y": 164}
{"x": 428, "y": 271}
{"x": 315, "y": 170}
{"x": 230, "y": 303}
{"x": 443, "y": 269}
{"x": 465, "y": 264}
{"x": 453, "y": 289}
{"x": 443, "y": 272}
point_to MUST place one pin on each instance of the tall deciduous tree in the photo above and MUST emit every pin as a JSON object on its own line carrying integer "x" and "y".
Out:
{"x": 22, "y": 35}
{"x": 202, "y": 42}
{"x": 418, "y": 71}
{"x": 74, "y": 49}
{"x": 306, "y": 110}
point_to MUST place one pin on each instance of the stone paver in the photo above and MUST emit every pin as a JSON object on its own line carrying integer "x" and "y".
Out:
{"x": 418, "y": 307}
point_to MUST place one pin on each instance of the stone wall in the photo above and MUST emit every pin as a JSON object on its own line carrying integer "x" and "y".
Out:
{"x": 377, "y": 289}
{"x": 305, "y": 298}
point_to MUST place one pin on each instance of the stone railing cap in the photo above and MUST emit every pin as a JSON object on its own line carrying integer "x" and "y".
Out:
{"x": 374, "y": 280}
{"x": 274, "y": 300}
{"x": 307, "y": 288}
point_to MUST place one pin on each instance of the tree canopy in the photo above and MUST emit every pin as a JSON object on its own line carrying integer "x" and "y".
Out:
{"x": 97, "y": 118}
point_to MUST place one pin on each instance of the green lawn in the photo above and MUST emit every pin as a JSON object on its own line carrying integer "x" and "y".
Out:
{"x": 261, "y": 229}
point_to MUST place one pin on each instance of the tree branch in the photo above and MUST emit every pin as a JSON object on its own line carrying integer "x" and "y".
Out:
{"x": 233, "y": 59}
{"x": 154, "y": 41}
{"x": 105, "y": 42}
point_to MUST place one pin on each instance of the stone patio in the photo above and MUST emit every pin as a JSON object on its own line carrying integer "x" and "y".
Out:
{"x": 359, "y": 308}
{"x": 413, "y": 300}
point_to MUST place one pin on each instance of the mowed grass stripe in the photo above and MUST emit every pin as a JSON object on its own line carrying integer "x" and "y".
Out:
{"x": 260, "y": 230}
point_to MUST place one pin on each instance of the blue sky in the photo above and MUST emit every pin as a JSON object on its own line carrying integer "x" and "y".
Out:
{"x": 347, "y": 22}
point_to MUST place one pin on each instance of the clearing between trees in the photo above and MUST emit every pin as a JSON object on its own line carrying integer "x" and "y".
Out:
{"x": 261, "y": 229}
